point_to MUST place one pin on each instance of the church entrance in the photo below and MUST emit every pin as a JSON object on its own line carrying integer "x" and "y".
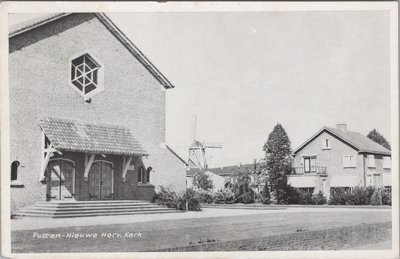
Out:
{"x": 60, "y": 174}
{"x": 101, "y": 180}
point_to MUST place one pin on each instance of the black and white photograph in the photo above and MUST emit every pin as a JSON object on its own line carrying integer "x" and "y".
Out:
{"x": 237, "y": 129}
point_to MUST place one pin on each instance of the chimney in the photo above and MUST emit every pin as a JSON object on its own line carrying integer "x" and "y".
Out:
{"x": 342, "y": 127}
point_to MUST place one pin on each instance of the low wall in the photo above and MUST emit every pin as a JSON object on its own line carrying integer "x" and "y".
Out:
{"x": 328, "y": 239}
{"x": 280, "y": 207}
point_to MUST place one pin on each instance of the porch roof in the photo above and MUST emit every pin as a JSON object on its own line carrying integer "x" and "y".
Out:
{"x": 70, "y": 135}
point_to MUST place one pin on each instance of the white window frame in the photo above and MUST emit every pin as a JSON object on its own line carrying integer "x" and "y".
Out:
{"x": 100, "y": 76}
{"x": 386, "y": 162}
{"x": 369, "y": 180}
{"x": 377, "y": 180}
{"x": 324, "y": 142}
{"x": 371, "y": 161}
{"x": 349, "y": 161}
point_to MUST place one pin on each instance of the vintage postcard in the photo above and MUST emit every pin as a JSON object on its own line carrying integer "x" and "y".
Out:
{"x": 199, "y": 130}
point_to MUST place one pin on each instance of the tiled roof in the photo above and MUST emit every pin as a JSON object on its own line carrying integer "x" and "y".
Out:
{"x": 361, "y": 142}
{"x": 26, "y": 25}
{"x": 104, "y": 19}
{"x": 352, "y": 138}
{"x": 224, "y": 171}
{"x": 77, "y": 136}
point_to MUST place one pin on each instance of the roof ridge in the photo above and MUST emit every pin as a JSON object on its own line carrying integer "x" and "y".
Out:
{"x": 362, "y": 144}
{"x": 86, "y": 122}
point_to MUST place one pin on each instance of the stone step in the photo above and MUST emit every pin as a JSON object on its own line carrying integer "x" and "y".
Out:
{"x": 89, "y": 205}
{"x": 73, "y": 215}
{"x": 57, "y": 212}
{"x": 91, "y": 202}
{"x": 91, "y": 208}
{"x": 42, "y": 208}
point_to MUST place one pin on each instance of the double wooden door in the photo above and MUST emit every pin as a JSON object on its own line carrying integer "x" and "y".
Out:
{"x": 60, "y": 175}
{"x": 101, "y": 181}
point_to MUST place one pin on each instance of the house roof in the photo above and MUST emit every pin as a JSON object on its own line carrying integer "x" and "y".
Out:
{"x": 23, "y": 27}
{"x": 70, "y": 135}
{"x": 358, "y": 141}
{"x": 223, "y": 171}
{"x": 174, "y": 153}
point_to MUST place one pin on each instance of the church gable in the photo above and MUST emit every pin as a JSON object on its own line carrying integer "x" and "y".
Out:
{"x": 74, "y": 36}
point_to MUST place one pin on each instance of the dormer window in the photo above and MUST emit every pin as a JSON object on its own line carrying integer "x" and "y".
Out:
{"x": 86, "y": 76}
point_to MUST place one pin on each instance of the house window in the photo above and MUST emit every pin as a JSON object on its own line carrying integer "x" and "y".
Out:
{"x": 371, "y": 161}
{"x": 310, "y": 164}
{"x": 148, "y": 174}
{"x": 306, "y": 190}
{"x": 386, "y": 162}
{"x": 377, "y": 180}
{"x": 349, "y": 161}
{"x": 14, "y": 170}
{"x": 86, "y": 75}
{"x": 326, "y": 143}
{"x": 374, "y": 180}
{"x": 14, "y": 175}
{"x": 140, "y": 174}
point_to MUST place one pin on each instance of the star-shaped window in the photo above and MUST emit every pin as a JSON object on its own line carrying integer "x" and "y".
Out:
{"x": 85, "y": 75}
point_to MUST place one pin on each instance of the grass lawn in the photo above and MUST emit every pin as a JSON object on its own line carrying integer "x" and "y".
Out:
{"x": 172, "y": 233}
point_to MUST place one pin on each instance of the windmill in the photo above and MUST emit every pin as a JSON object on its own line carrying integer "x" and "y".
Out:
{"x": 197, "y": 151}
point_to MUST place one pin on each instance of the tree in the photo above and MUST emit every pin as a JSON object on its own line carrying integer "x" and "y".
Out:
{"x": 265, "y": 195}
{"x": 201, "y": 180}
{"x": 378, "y": 138}
{"x": 278, "y": 162}
{"x": 241, "y": 187}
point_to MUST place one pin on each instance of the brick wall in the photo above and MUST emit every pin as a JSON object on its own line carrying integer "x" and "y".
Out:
{"x": 329, "y": 239}
{"x": 39, "y": 86}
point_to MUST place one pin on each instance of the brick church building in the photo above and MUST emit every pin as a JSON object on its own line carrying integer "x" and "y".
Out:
{"x": 87, "y": 114}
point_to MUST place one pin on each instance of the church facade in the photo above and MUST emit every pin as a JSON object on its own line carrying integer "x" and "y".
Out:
{"x": 87, "y": 114}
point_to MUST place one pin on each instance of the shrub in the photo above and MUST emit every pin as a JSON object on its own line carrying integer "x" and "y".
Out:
{"x": 376, "y": 198}
{"x": 241, "y": 187}
{"x": 386, "y": 197}
{"x": 318, "y": 199}
{"x": 246, "y": 197}
{"x": 357, "y": 196}
{"x": 191, "y": 198}
{"x": 370, "y": 190}
{"x": 201, "y": 180}
{"x": 338, "y": 196}
{"x": 224, "y": 197}
{"x": 293, "y": 195}
{"x": 205, "y": 196}
{"x": 266, "y": 195}
{"x": 168, "y": 197}
{"x": 305, "y": 198}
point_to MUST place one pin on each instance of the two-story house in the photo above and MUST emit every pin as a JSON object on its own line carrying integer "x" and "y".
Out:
{"x": 87, "y": 114}
{"x": 337, "y": 157}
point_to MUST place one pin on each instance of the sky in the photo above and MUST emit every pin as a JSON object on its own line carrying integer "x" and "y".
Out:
{"x": 241, "y": 73}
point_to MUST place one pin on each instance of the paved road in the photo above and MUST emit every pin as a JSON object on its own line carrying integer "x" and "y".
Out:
{"x": 187, "y": 227}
